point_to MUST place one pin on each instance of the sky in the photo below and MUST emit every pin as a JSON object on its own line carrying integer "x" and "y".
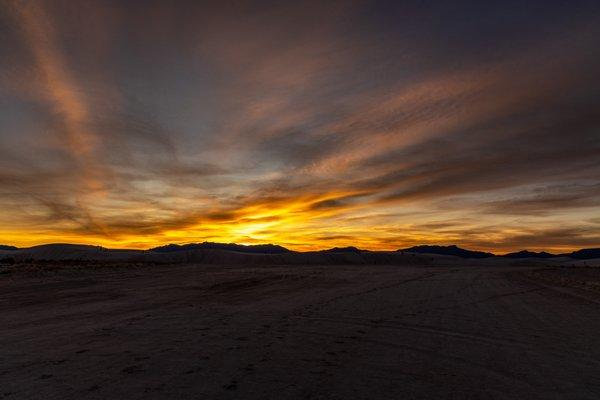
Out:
{"x": 381, "y": 125}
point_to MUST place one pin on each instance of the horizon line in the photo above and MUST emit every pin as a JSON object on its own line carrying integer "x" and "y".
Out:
{"x": 398, "y": 248}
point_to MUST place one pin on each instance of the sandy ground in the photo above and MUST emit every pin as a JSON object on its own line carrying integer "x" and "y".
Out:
{"x": 196, "y": 332}
{"x": 586, "y": 278}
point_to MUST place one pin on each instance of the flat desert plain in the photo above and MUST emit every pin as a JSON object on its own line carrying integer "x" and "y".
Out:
{"x": 302, "y": 332}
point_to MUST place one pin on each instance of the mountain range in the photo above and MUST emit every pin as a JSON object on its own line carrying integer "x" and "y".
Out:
{"x": 273, "y": 249}
{"x": 257, "y": 249}
{"x": 452, "y": 250}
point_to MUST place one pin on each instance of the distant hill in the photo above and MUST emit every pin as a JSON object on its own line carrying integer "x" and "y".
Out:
{"x": 254, "y": 249}
{"x": 529, "y": 254}
{"x": 270, "y": 254}
{"x": 452, "y": 250}
{"x": 584, "y": 254}
{"x": 349, "y": 249}
{"x": 5, "y": 247}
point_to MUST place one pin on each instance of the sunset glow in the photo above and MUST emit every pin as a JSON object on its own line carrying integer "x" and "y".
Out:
{"x": 306, "y": 125}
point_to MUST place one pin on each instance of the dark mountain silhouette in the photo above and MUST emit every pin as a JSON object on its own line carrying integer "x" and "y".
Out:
{"x": 255, "y": 249}
{"x": 529, "y": 254}
{"x": 349, "y": 249}
{"x": 452, "y": 250}
{"x": 584, "y": 254}
{"x": 215, "y": 253}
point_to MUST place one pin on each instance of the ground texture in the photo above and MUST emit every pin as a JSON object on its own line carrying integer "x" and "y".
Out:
{"x": 360, "y": 332}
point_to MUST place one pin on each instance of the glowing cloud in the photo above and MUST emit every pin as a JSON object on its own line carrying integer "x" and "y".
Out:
{"x": 307, "y": 125}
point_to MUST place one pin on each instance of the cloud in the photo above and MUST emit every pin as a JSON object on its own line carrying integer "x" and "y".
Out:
{"x": 306, "y": 124}
{"x": 547, "y": 200}
{"x": 555, "y": 239}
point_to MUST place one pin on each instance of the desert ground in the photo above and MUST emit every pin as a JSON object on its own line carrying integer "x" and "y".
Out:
{"x": 301, "y": 332}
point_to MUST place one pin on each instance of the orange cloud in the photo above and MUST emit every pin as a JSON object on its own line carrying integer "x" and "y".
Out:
{"x": 65, "y": 95}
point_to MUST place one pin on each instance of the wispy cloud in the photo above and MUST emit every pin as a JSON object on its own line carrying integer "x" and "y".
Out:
{"x": 67, "y": 100}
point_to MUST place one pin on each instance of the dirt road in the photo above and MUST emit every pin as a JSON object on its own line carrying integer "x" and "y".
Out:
{"x": 193, "y": 332}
